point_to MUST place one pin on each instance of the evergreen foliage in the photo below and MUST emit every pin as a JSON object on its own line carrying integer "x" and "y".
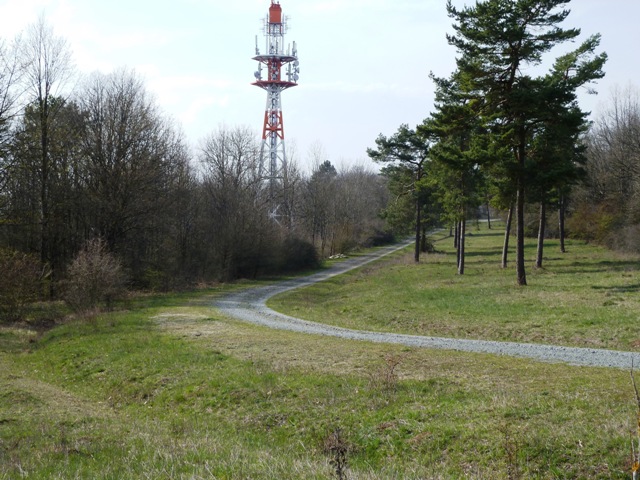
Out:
{"x": 407, "y": 153}
{"x": 500, "y": 41}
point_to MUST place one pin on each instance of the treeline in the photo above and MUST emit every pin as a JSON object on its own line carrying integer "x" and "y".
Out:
{"x": 605, "y": 208}
{"x": 104, "y": 162}
{"x": 504, "y": 136}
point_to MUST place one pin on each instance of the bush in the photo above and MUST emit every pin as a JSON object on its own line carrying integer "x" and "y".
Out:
{"x": 95, "y": 277}
{"x": 21, "y": 277}
{"x": 594, "y": 222}
{"x": 626, "y": 239}
{"x": 297, "y": 254}
{"x": 380, "y": 238}
{"x": 427, "y": 245}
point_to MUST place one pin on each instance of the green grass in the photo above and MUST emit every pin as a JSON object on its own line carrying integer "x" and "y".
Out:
{"x": 172, "y": 389}
{"x": 587, "y": 297}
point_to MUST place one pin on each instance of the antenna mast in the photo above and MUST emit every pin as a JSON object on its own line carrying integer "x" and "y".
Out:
{"x": 277, "y": 64}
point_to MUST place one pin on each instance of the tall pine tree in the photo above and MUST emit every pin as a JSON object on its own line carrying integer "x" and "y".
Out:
{"x": 410, "y": 150}
{"x": 499, "y": 41}
{"x": 457, "y": 153}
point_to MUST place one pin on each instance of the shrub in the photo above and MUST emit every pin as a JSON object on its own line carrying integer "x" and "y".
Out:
{"x": 338, "y": 448}
{"x": 21, "y": 278}
{"x": 385, "y": 377}
{"x": 156, "y": 280}
{"x": 427, "y": 245}
{"x": 95, "y": 277}
{"x": 297, "y": 254}
{"x": 626, "y": 239}
{"x": 594, "y": 222}
{"x": 379, "y": 238}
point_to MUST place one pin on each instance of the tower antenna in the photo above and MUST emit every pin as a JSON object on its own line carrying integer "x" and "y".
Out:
{"x": 273, "y": 157}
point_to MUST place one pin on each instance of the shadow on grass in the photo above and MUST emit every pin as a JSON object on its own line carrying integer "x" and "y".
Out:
{"x": 620, "y": 289}
{"x": 496, "y": 253}
{"x": 602, "y": 266}
{"x": 484, "y": 234}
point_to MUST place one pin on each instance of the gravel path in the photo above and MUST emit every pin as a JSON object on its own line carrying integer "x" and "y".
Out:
{"x": 250, "y": 306}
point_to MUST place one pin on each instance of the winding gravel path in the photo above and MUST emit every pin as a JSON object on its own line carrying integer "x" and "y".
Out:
{"x": 250, "y": 306}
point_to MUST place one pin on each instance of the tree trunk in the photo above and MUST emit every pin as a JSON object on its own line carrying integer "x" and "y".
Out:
{"x": 456, "y": 235}
{"x": 561, "y": 223}
{"x": 323, "y": 243}
{"x": 507, "y": 233}
{"x": 541, "y": 229}
{"x": 416, "y": 254}
{"x": 521, "y": 276}
{"x": 46, "y": 256}
{"x": 488, "y": 216}
{"x": 463, "y": 227}
{"x": 458, "y": 242}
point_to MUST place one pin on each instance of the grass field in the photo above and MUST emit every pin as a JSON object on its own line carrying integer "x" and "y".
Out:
{"x": 587, "y": 297}
{"x": 171, "y": 389}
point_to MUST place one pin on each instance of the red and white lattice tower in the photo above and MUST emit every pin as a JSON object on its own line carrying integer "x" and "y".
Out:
{"x": 281, "y": 70}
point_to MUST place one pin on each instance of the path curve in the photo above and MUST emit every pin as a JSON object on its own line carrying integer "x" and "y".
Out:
{"x": 250, "y": 306}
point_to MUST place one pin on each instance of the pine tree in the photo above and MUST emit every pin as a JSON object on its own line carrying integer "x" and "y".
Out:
{"x": 411, "y": 150}
{"x": 457, "y": 154}
{"x": 499, "y": 41}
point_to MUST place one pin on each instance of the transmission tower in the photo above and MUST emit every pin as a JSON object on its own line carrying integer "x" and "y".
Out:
{"x": 281, "y": 70}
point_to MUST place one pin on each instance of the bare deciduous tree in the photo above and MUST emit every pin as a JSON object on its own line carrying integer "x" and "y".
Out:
{"x": 606, "y": 207}
{"x": 340, "y": 210}
{"x": 240, "y": 231}
{"x": 132, "y": 160}
{"x": 47, "y": 70}
{"x": 10, "y": 73}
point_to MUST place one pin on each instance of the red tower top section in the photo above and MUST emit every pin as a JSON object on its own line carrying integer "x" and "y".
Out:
{"x": 275, "y": 13}
{"x": 282, "y": 67}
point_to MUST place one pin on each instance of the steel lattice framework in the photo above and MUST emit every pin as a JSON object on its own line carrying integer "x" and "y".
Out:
{"x": 282, "y": 70}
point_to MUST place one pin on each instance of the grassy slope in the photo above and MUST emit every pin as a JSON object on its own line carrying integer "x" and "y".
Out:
{"x": 587, "y": 297}
{"x": 171, "y": 389}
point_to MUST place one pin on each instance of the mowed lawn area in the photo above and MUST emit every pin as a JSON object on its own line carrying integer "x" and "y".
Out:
{"x": 169, "y": 388}
{"x": 586, "y": 297}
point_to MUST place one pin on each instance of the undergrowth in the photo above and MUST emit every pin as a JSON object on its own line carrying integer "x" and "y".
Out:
{"x": 170, "y": 389}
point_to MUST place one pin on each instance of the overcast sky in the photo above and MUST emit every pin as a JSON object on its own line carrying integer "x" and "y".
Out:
{"x": 364, "y": 63}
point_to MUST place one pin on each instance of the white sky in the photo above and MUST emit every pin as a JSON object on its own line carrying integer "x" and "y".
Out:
{"x": 364, "y": 63}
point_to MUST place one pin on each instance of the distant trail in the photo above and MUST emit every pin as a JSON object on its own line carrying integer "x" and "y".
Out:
{"x": 250, "y": 306}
